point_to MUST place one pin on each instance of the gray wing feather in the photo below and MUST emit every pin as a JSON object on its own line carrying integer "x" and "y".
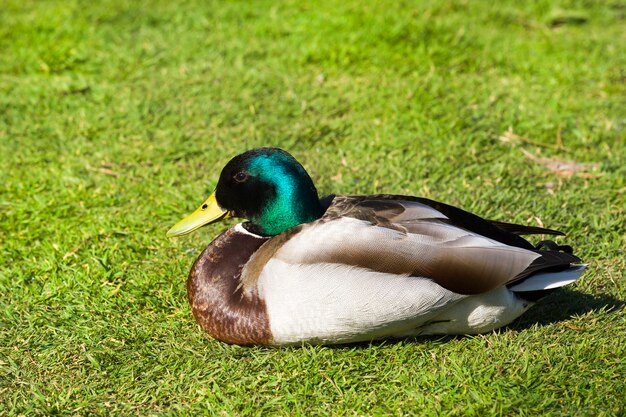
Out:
{"x": 411, "y": 238}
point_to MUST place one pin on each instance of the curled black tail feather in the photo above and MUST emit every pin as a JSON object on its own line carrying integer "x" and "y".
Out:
{"x": 552, "y": 245}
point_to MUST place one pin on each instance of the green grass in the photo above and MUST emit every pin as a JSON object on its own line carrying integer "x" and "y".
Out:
{"x": 116, "y": 118}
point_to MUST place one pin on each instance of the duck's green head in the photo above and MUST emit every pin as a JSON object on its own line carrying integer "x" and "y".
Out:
{"x": 267, "y": 186}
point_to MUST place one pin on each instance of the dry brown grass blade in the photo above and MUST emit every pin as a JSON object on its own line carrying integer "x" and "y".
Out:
{"x": 510, "y": 137}
{"x": 77, "y": 248}
{"x": 564, "y": 168}
{"x": 107, "y": 171}
{"x": 105, "y": 168}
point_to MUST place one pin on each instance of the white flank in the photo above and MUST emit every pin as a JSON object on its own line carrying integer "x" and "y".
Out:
{"x": 338, "y": 303}
{"x": 478, "y": 314}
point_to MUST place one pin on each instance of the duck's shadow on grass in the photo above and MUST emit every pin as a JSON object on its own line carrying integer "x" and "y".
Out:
{"x": 557, "y": 307}
{"x": 563, "y": 305}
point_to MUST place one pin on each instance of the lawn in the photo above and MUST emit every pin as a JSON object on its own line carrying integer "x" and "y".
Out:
{"x": 116, "y": 118}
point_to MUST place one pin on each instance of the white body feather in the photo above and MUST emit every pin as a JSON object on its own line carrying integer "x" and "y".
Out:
{"x": 324, "y": 302}
{"x": 337, "y": 303}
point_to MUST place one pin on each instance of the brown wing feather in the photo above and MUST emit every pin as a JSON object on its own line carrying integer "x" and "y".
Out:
{"x": 397, "y": 236}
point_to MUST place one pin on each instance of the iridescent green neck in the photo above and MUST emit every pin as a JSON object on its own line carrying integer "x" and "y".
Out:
{"x": 294, "y": 198}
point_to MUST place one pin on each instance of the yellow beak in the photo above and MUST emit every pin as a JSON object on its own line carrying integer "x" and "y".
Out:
{"x": 208, "y": 212}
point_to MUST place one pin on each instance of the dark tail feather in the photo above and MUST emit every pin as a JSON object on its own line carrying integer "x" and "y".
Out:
{"x": 519, "y": 229}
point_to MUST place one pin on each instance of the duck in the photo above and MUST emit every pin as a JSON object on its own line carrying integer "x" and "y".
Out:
{"x": 345, "y": 269}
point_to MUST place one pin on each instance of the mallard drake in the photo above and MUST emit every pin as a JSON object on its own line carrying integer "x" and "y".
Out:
{"x": 347, "y": 269}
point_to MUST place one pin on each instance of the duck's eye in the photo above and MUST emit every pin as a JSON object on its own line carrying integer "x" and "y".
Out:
{"x": 241, "y": 176}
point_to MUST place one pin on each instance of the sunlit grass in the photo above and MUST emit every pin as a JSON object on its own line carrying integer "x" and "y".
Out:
{"x": 116, "y": 118}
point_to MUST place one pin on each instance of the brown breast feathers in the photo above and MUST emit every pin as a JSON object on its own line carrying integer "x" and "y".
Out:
{"x": 219, "y": 304}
